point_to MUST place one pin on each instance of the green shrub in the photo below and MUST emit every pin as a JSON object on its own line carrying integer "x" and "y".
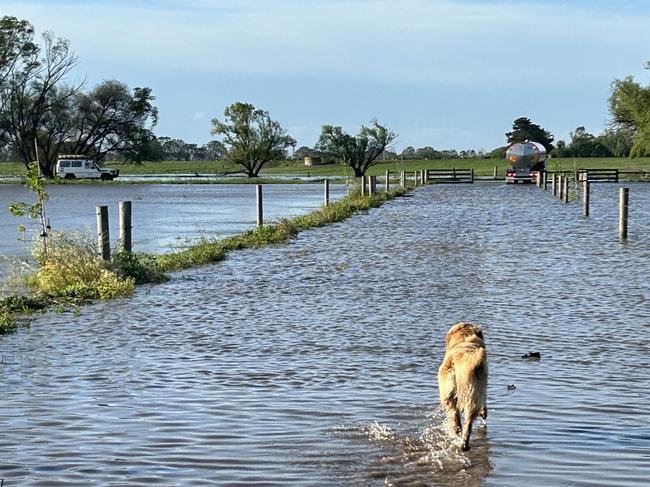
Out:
{"x": 141, "y": 267}
{"x": 111, "y": 286}
{"x": 73, "y": 269}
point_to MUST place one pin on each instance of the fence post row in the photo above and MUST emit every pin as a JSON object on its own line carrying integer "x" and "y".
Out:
{"x": 125, "y": 226}
{"x": 103, "y": 238}
{"x": 260, "y": 206}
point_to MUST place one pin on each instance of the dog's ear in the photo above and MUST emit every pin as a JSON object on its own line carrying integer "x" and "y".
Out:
{"x": 479, "y": 332}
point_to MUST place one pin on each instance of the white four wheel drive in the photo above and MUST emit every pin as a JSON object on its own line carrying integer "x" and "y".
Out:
{"x": 80, "y": 167}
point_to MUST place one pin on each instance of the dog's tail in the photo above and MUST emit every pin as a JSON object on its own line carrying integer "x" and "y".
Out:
{"x": 472, "y": 384}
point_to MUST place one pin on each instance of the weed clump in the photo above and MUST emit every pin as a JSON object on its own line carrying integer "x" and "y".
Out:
{"x": 72, "y": 268}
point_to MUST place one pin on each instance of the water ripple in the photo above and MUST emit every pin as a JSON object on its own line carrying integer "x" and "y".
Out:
{"x": 314, "y": 363}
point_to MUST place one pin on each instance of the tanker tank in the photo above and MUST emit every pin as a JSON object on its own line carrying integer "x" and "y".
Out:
{"x": 527, "y": 159}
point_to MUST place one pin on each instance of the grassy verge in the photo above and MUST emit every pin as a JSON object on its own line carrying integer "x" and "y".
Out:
{"x": 482, "y": 167}
{"x": 72, "y": 274}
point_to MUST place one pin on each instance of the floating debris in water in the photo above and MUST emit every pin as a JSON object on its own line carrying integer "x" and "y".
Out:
{"x": 511, "y": 387}
{"x": 532, "y": 356}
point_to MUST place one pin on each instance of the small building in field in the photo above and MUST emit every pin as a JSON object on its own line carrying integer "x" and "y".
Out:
{"x": 312, "y": 160}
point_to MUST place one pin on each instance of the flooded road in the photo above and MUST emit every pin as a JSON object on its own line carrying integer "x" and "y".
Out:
{"x": 314, "y": 363}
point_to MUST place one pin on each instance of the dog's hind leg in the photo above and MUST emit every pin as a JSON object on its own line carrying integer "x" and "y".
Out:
{"x": 467, "y": 429}
{"x": 454, "y": 419}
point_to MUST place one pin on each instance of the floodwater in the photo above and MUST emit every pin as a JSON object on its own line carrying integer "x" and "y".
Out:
{"x": 165, "y": 216}
{"x": 314, "y": 363}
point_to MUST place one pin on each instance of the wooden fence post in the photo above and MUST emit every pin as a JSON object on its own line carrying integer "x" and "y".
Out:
{"x": 260, "y": 206}
{"x": 623, "y": 205}
{"x": 545, "y": 180}
{"x": 471, "y": 173}
{"x": 326, "y": 190}
{"x": 415, "y": 178}
{"x": 103, "y": 238}
{"x": 402, "y": 179}
{"x": 554, "y": 184}
{"x": 560, "y": 186}
{"x": 125, "y": 226}
{"x": 495, "y": 173}
{"x": 585, "y": 197}
{"x": 565, "y": 189}
{"x": 364, "y": 189}
{"x": 372, "y": 184}
{"x": 387, "y": 187}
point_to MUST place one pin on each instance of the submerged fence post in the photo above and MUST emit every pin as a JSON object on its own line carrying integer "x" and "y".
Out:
{"x": 471, "y": 174}
{"x": 623, "y": 205}
{"x": 495, "y": 173}
{"x": 326, "y": 190}
{"x": 565, "y": 189}
{"x": 585, "y": 197}
{"x": 387, "y": 181}
{"x": 372, "y": 184}
{"x": 260, "y": 206}
{"x": 125, "y": 226}
{"x": 363, "y": 185}
{"x": 103, "y": 238}
{"x": 402, "y": 179}
{"x": 560, "y": 186}
{"x": 545, "y": 180}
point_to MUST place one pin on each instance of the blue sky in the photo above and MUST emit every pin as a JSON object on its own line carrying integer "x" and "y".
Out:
{"x": 449, "y": 74}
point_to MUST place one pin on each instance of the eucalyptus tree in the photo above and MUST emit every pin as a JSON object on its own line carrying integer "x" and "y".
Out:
{"x": 18, "y": 52}
{"x": 629, "y": 105}
{"x": 34, "y": 89}
{"x": 359, "y": 152}
{"x": 523, "y": 129}
{"x": 251, "y": 137}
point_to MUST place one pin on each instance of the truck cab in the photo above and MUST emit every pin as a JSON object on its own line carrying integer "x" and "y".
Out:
{"x": 81, "y": 167}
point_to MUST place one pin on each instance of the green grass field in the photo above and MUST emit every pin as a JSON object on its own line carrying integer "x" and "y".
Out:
{"x": 482, "y": 167}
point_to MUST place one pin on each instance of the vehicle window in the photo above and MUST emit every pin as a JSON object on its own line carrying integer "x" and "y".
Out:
{"x": 87, "y": 165}
{"x": 76, "y": 163}
{"x": 64, "y": 163}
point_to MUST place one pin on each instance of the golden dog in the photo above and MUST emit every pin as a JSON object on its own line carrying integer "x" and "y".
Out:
{"x": 462, "y": 378}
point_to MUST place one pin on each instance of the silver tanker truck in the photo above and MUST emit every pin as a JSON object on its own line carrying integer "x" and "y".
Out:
{"x": 527, "y": 159}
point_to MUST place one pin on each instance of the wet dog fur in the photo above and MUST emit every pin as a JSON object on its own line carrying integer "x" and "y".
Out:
{"x": 462, "y": 378}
